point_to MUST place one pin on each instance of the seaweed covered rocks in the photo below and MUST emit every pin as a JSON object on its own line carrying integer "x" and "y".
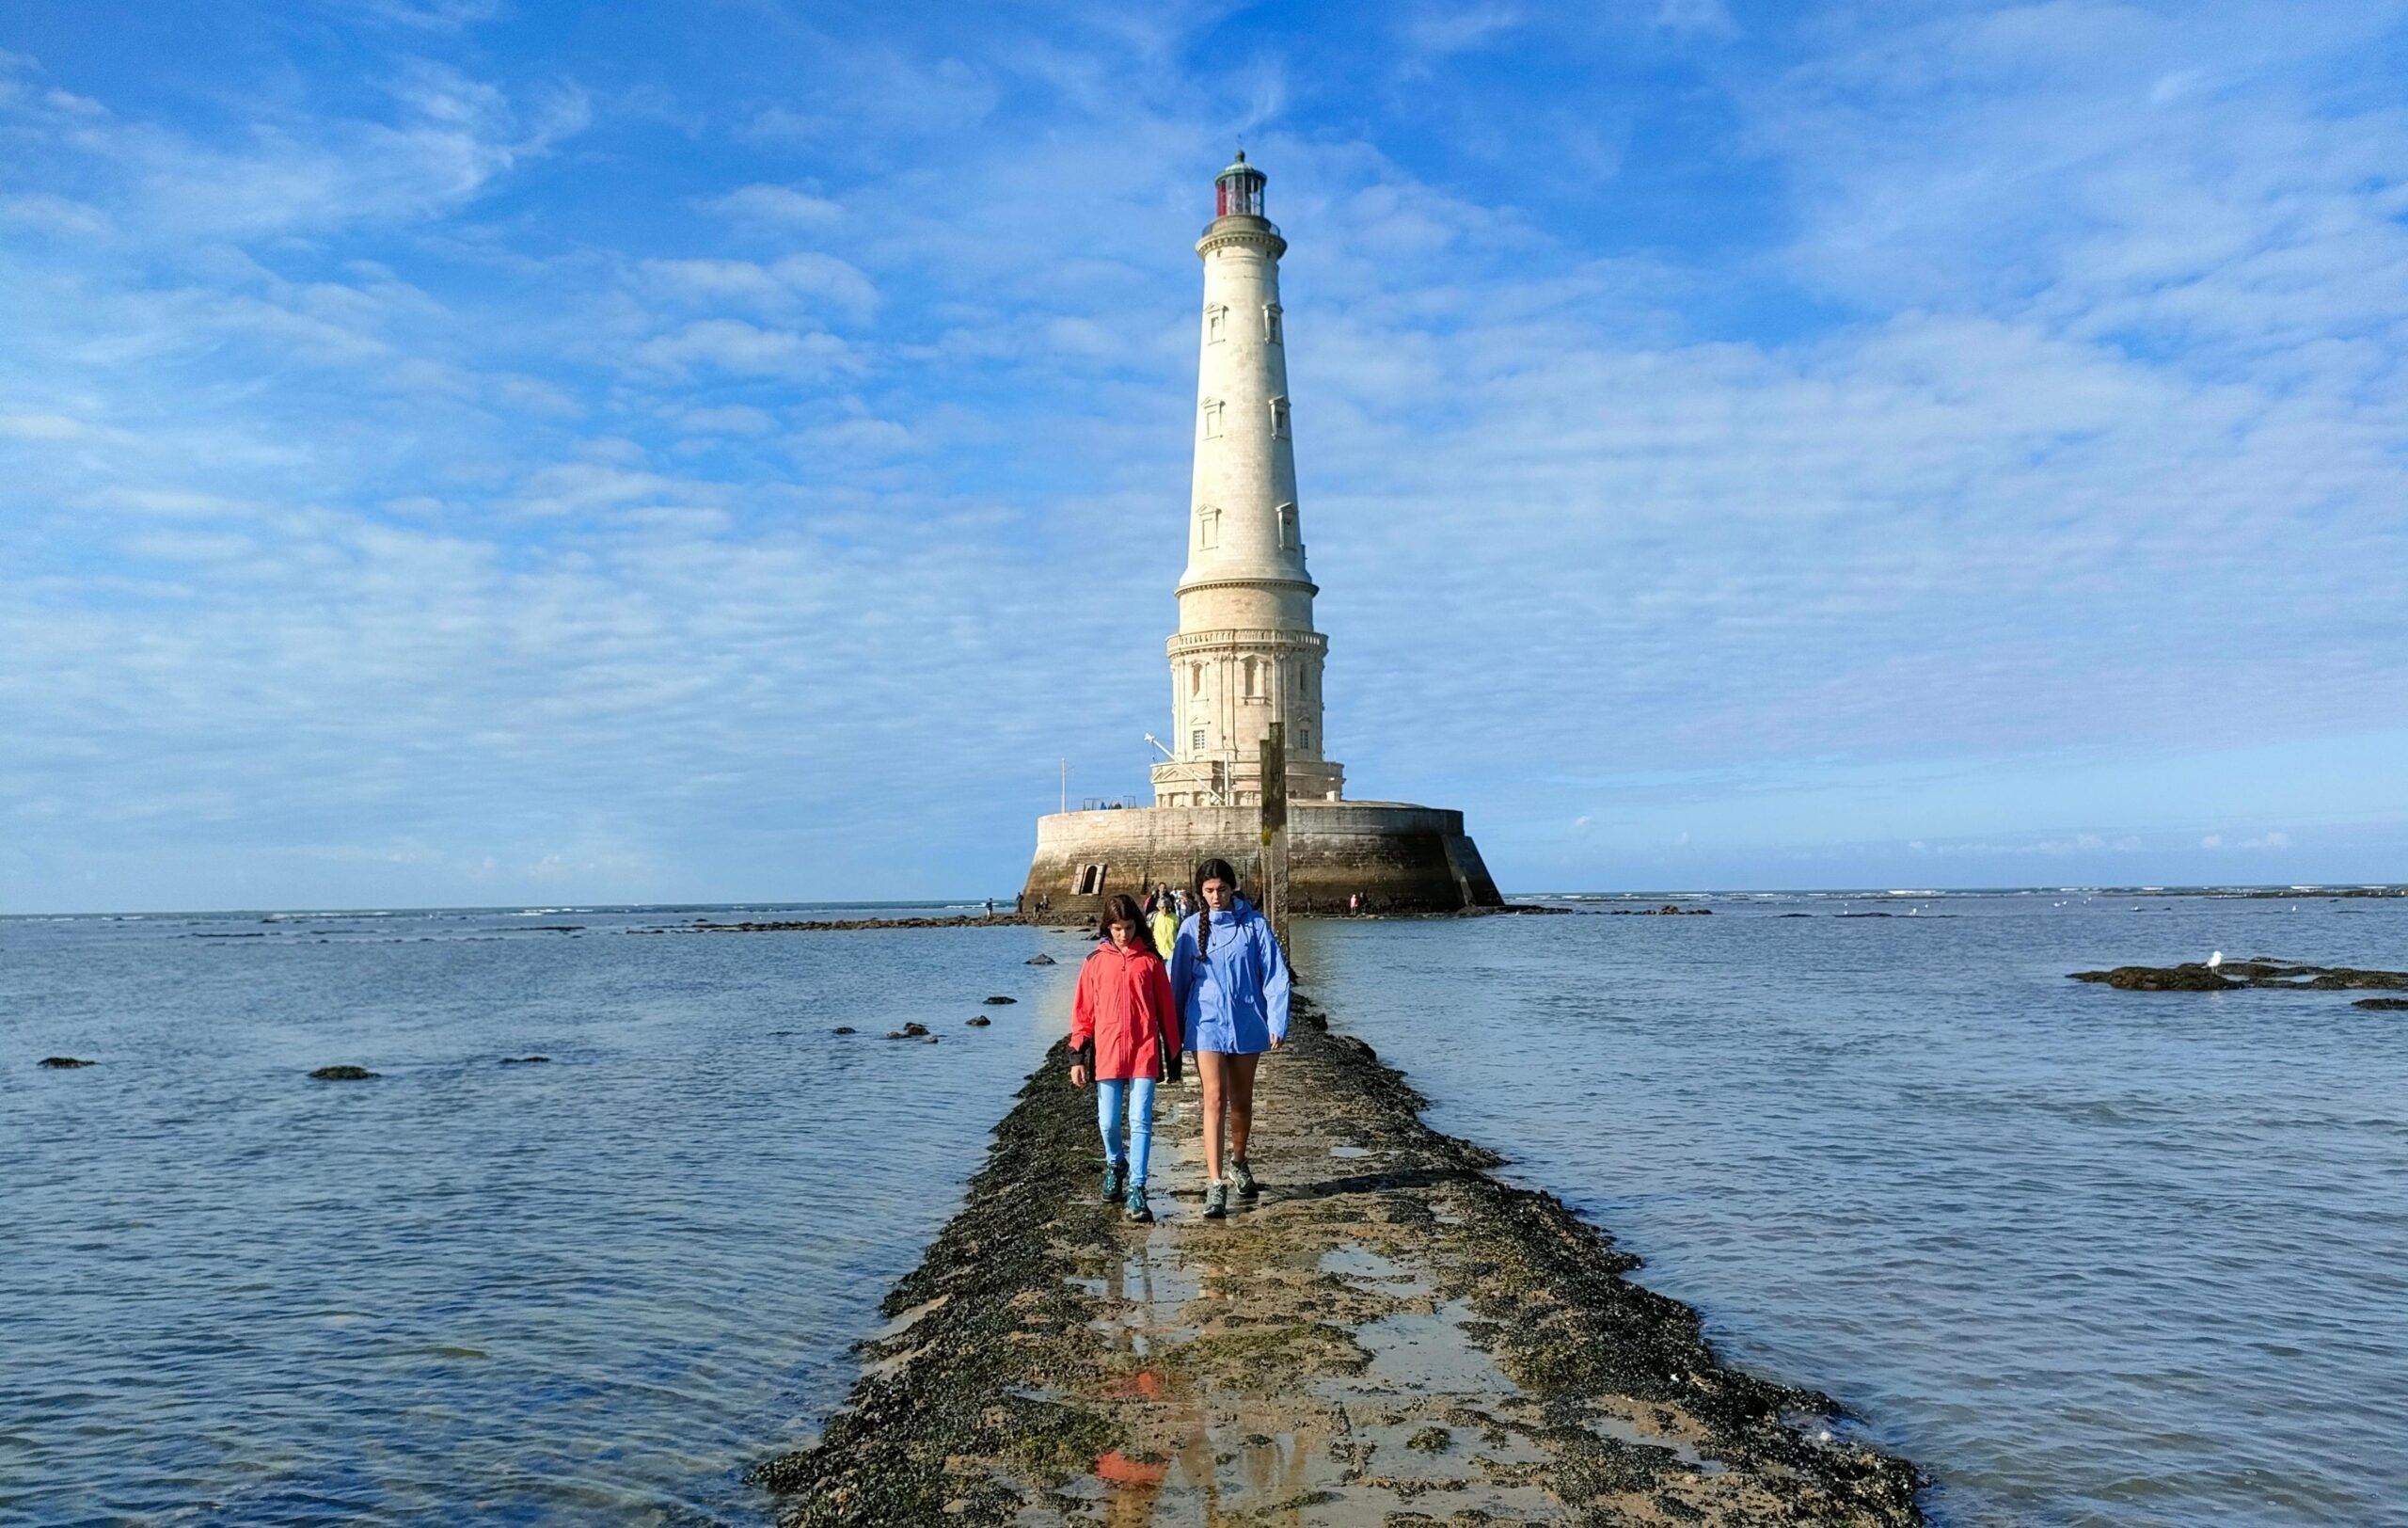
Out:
{"x": 2257, "y": 971}
{"x": 2193, "y": 976}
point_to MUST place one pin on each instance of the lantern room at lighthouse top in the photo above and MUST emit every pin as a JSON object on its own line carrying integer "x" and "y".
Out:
{"x": 1240, "y": 189}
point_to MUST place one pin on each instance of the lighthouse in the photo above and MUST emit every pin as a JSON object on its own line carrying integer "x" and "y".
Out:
{"x": 1245, "y": 654}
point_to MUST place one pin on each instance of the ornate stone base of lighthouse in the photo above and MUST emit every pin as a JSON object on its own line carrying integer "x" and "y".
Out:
{"x": 1400, "y": 858}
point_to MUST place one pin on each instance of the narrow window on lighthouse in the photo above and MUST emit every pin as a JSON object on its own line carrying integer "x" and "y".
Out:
{"x": 1286, "y": 526}
{"x": 1271, "y": 323}
{"x": 1195, "y": 678}
{"x": 1196, "y": 741}
{"x": 1213, "y": 418}
{"x": 1249, "y": 678}
{"x": 1279, "y": 418}
{"x": 1216, "y": 324}
{"x": 1208, "y": 527}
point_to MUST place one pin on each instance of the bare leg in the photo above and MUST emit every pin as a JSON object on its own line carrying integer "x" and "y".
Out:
{"x": 1210, "y": 1071}
{"x": 1241, "y": 1092}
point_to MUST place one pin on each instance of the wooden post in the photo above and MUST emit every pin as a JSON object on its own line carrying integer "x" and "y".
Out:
{"x": 1275, "y": 831}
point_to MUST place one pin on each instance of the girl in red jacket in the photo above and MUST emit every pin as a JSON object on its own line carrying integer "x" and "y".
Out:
{"x": 1124, "y": 1032}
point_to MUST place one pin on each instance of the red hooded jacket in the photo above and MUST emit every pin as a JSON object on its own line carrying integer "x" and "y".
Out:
{"x": 1124, "y": 1007}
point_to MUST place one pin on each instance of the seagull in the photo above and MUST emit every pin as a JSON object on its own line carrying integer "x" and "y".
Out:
{"x": 2215, "y": 960}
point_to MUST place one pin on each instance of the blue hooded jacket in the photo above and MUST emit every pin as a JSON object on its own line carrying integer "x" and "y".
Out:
{"x": 1233, "y": 996}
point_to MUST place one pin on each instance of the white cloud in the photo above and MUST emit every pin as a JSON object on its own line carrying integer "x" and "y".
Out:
{"x": 732, "y": 419}
{"x": 40, "y": 428}
{"x": 776, "y": 204}
{"x": 746, "y": 349}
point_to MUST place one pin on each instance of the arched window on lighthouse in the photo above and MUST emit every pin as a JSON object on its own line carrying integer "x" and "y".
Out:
{"x": 1212, "y": 419}
{"x": 1216, "y": 324}
{"x": 1270, "y": 333}
{"x": 1287, "y": 527}
{"x": 1249, "y": 678}
{"x": 1208, "y": 527}
{"x": 1278, "y": 419}
{"x": 1195, "y": 678}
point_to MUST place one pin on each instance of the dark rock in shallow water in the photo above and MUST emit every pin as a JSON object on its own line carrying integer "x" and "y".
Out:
{"x": 2342, "y": 979}
{"x": 524, "y": 1060}
{"x": 910, "y": 1032}
{"x": 1038, "y": 959}
{"x": 2190, "y": 976}
{"x": 343, "y": 1074}
{"x": 2258, "y": 971}
{"x": 2387, "y": 1004}
{"x": 979, "y": 1021}
{"x": 844, "y": 1029}
{"x": 1001, "y": 1002}
{"x": 63, "y": 1063}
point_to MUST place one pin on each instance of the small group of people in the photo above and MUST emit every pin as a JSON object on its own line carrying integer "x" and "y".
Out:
{"x": 1164, "y": 983}
{"x": 1166, "y": 908}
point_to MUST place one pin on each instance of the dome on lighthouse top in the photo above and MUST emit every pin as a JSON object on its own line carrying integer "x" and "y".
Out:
{"x": 1239, "y": 189}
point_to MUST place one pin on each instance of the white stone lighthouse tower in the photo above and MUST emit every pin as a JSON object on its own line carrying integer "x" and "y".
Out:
{"x": 1245, "y": 654}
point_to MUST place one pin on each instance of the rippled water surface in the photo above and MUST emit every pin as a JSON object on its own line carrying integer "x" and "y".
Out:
{"x": 590, "y": 1290}
{"x": 2088, "y": 1256}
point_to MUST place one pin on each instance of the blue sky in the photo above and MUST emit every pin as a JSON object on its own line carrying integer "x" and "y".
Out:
{"x": 457, "y": 451}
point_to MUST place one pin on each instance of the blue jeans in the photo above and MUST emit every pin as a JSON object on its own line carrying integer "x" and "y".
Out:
{"x": 1139, "y": 1093}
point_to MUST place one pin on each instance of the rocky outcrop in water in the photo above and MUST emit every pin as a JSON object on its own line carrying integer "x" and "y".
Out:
{"x": 2257, "y": 971}
{"x": 1038, "y": 959}
{"x": 63, "y": 1063}
{"x": 2193, "y": 977}
{"x": 524, "y": 1060}
{"x": 979, "y": 1021}
{"x": 910, "y": 1032}
{"x": 343, "y": 1074}
{"x": 1001, "y": 1002}
{"x": 1667, "y": 911}
{"x": 2386, "y": 1005}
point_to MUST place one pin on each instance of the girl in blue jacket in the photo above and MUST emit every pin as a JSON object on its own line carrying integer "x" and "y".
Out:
{"x": 1230, "y": 981}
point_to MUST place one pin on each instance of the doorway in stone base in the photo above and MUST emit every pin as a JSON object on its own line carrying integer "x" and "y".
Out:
{"x": 1090, "y": 881}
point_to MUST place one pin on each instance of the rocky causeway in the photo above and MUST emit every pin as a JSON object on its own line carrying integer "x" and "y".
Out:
{"x": 1391, "y": 1335}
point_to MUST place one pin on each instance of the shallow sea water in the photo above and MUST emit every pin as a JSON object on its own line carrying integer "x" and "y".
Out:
{"x": 2088, "y": 1257}
{"x": 591, "y": 1291}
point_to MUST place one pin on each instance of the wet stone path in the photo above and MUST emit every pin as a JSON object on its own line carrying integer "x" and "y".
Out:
{"x": 1387, "y": 1336}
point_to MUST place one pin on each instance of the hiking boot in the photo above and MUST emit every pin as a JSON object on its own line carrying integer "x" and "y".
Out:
{"x": 1216, "y": 1201}
{"x": 1137, "y": 1209}
{"x": 1114, "y": 1181}
{"x": 1242, "y": 1179}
